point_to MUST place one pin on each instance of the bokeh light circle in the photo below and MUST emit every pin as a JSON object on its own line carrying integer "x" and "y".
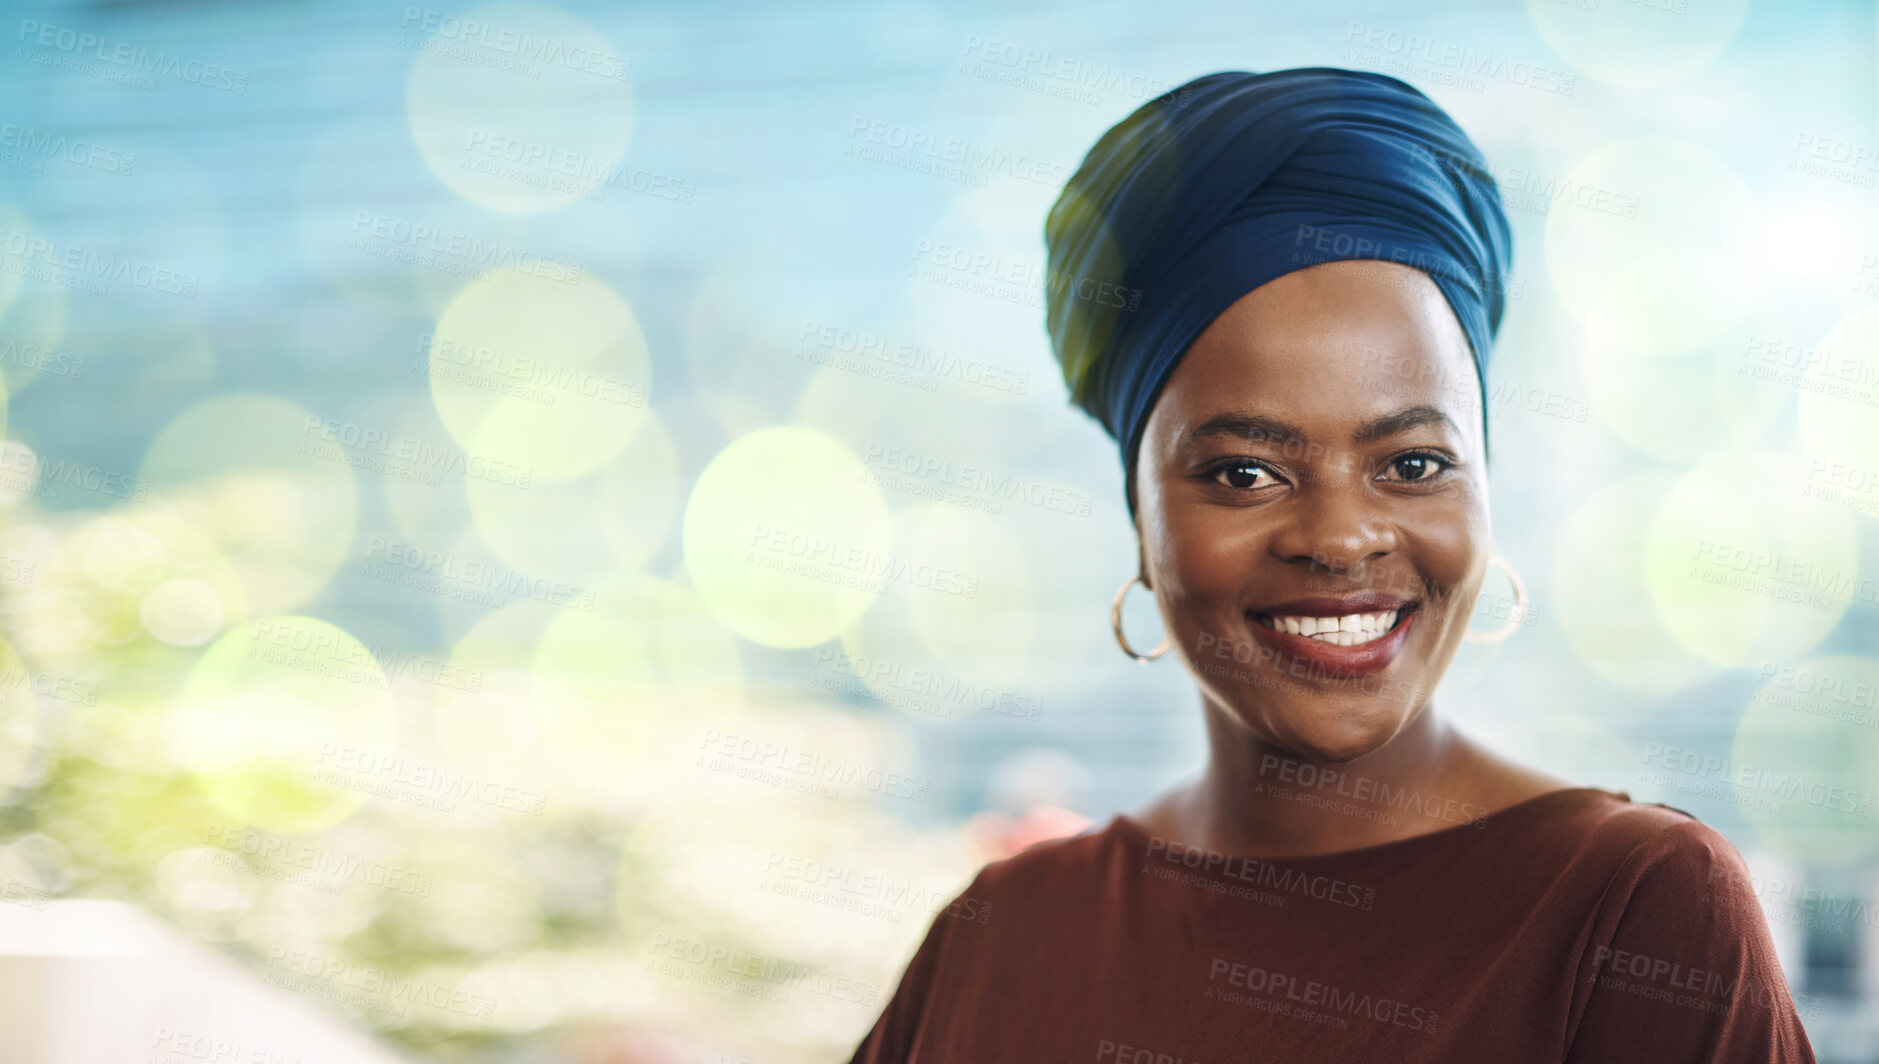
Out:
{"x": 1601, "y": 592}
{"x": 286, "y": 723}
{"x": 1805, "y": 760}
{"x": 787, "y": 537}
{"x": 1654, "y": 252}
{"x": 569, "y": 530}
{"x": 1681, "y": 408}
{"x": 1839, "y": 407}
{"x": 969, "y": 590}
{"x": 538, "y": 379}
{"x": 19, "y": 717}
{"x": 620, "y": 691}
{"x": 1744, "y": 566}
{"x": 182, "y": 613}
{"x": 269, "y": 482}
{"x": 520, "y": 108}
{"x": 956, "y": 643}
{"x": 1638, "y": 45}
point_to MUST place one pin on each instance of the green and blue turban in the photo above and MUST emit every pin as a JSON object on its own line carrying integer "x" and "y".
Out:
{"x": 1222, "y": 184}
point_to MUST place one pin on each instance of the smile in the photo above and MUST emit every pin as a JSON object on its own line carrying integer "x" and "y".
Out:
{"x": 1346, "y": 631}
{"x": 1345, "y": 646}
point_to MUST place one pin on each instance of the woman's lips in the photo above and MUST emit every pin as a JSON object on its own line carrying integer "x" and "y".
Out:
{"x": 1335, "y": 661}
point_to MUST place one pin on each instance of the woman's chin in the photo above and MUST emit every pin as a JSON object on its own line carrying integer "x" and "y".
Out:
{"x": 1320, "y": 740}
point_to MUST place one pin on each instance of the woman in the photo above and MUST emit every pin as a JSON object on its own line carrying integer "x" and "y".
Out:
{"x": 1278, "y": 292}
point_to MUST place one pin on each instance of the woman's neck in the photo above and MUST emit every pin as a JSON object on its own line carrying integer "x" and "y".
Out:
{"x": 1257, "y": 800}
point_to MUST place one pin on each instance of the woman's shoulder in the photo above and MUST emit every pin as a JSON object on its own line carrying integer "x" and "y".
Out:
{"x": 1604, "y": 833}
{"x": 1676, "y": 851}
{"x": 1644, "y": 833}
{"x": 1646, "y": 860}
{"x": 1050, "y": 867}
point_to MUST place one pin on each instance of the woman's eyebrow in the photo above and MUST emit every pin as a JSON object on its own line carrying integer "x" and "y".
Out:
{"x": 1243, "y": 426}
{"x": 1402, "y": 421}
{"x": 1248, "y": 426}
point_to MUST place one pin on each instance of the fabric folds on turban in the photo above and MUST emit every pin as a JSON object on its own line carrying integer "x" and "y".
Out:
{"x": 1222, "y": 184}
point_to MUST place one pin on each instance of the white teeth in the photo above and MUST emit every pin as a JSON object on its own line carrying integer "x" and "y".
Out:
{"x": 1345, "y": 631}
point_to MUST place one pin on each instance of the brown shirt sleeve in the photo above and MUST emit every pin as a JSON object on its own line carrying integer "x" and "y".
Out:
{"x": 1686, "y": 970}
{"x": 891, "y": 1039}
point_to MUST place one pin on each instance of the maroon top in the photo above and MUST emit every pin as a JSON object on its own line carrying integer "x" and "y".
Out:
{"x": 1577, "y": 926}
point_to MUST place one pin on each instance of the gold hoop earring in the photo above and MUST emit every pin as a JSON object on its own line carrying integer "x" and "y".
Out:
{"x": 1514, "y": 616}
{"x": 1115, "y": 621}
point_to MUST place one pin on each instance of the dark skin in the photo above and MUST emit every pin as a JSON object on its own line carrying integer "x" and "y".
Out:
{"x": 1232, "y": 522}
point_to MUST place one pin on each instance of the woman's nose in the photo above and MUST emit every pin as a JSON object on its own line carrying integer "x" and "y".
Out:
{"x": 1333, "y": 526}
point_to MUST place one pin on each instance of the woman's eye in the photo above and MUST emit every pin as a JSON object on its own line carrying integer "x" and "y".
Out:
{"x": 1420, "y": 465}
{"x": 1241, "y": 474}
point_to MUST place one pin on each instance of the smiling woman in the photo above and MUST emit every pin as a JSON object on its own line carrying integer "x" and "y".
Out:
{"x": 1315, "y": 258}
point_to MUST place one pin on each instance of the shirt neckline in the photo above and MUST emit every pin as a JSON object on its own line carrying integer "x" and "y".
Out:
{"x": 1123, "y": 825}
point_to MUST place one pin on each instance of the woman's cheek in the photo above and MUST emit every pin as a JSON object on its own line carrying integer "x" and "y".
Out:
{"x": 1208, "y": 580}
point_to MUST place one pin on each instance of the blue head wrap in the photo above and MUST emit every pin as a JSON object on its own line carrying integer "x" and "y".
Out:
{"x": 1233, "y": 179}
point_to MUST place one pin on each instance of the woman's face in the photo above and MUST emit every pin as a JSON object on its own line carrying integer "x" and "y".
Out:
{"x": 1320, "y": 440}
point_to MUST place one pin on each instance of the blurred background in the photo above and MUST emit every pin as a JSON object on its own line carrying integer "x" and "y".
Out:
{"x": 552, "y": 532}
